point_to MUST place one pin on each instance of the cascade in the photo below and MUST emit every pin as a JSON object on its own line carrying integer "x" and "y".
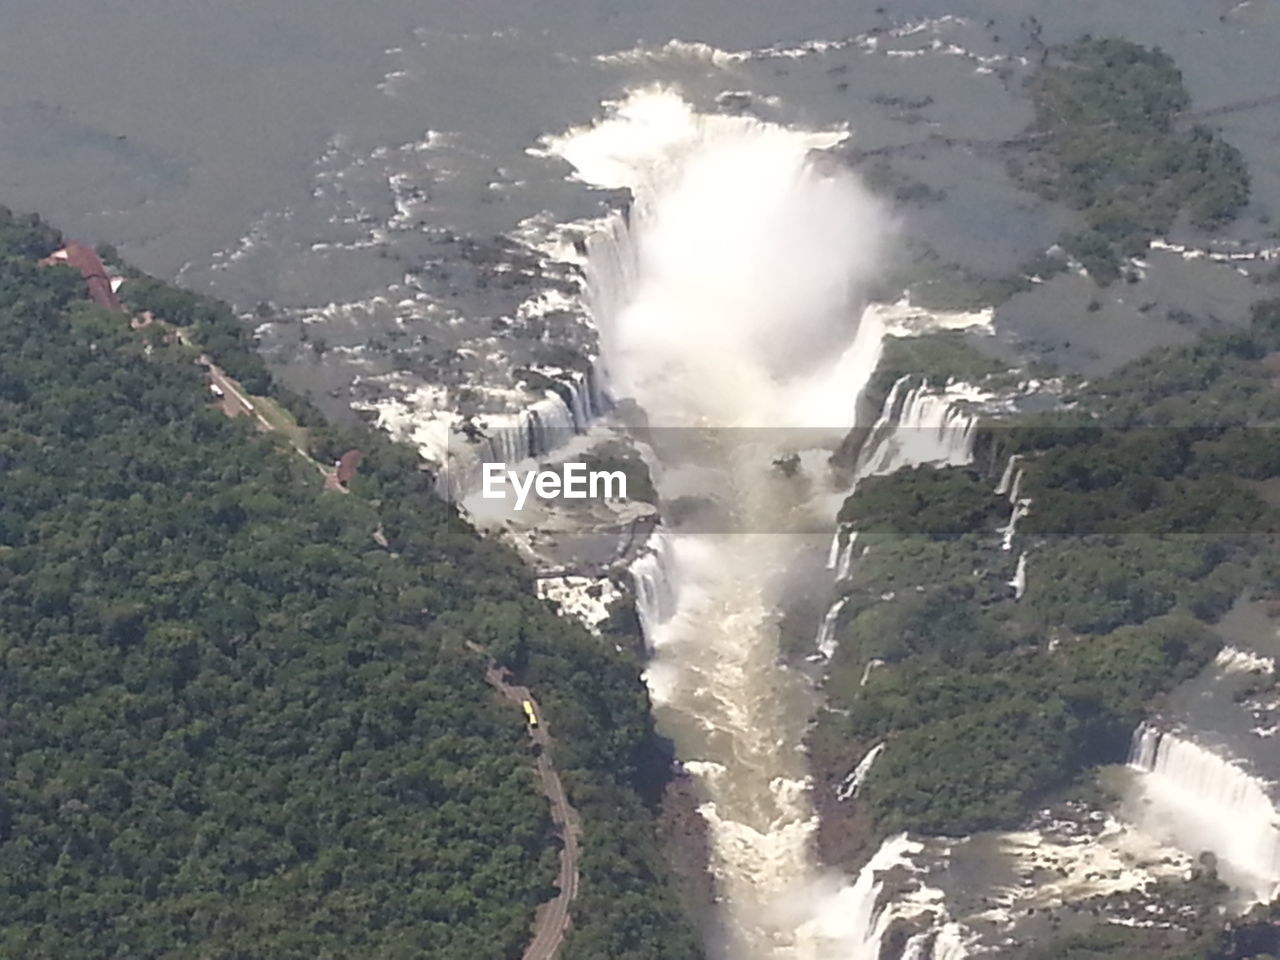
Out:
{"x": 550, "y": 423}
{"x": 1199, "y": 800}
{"x": 581, "y": 401}
{"x": 1020, "y": 509}
{"x": 653, "y": 575}
{"x": 851, "y": 784}
{"x": 857, "y": 917}
{"x": 840, "y": 554}
{"x": 866, "y": 671}
{"x": 919, "y": 946}
{"x": 513, "y": 438}
{"x": 1019, "y": 581}
{"x": 838, "y": 542}
{"x": 1006, "y": 478}
{"x": 950, "y": 943}
{"x": 1015, "y": 489}
{"x": 946, "y": 942}
{"x": 916, "y": 426}
{"x": 826, "y": 643}
{"x": 1021, "y": 505}
{"x": 610, "y": 267}
{"x": 845, "y": 565}
{"x": 882, "y": 429}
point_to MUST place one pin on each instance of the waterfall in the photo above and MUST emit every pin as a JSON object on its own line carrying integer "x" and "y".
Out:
{"x": 921, "y": 425}
{"x": 916, "y": 426}
{"x": 950, "y": 943}
{"x": 728, "y": 297}
{"x": 842, "y": 534}
{"x": 946, "y": 942}
{"x": 1015, "y": 489}
{"x": 1019, "y": 581}
{"x": 509, "y": 438}
{"x": 610, "y": 267}
{"x": 1200, "y": 800}
{"x": 550, "y": 423}
{"x": 581, "y": 403}
{"x": 844, "y": 541}
{"x": 1021, "y": 505}
{"x": 919, "y": 946}
{"x": 857, "y": 917}
{"x": 826, "y": 643}
{"x": 851, "y": 784}
{"x": 1020, "y": 509}
{"x": 1006, "y": 478}
{"x": 537, "y": 430}
{"x": 654, "y": 579}
{"x": 591, "y": 399}
{"x": 882, "y": 429}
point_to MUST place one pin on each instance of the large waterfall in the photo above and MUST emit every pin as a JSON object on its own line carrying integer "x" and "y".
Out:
{"x": 534, "y": 431}
{"x": 656, "y": 584}
{"x": 457, "y": 446}
{"x": 920, "y": 424}
{"x": 728, "y": 307}
{"x": 1199, "y": 800}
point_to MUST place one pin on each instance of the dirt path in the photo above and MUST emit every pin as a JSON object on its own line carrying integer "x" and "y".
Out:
{"x": 552, "y": 919}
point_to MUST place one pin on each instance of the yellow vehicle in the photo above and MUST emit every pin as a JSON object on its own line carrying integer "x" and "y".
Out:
{"x": 529, "y": 712}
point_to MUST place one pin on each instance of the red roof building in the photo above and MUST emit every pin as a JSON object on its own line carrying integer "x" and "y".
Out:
{"x": 81, "y": 257}
{"x": 348, "y": 465}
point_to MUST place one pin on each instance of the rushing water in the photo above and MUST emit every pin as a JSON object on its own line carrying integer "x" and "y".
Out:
{"x": 1200, "y": 800}
{"x": 728, "y": 304}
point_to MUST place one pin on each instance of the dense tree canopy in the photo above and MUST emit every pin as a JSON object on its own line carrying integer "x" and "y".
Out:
{"x": 235, "y": 724}
{"x": 1114, "y": 150}
{"x": 1150, "y": 513}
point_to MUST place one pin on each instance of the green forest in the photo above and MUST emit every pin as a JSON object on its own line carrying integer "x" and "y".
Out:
{"x": 1107, "y": 141}
{"x": 236, "y": 725}
{"x": 1153, "y": 506}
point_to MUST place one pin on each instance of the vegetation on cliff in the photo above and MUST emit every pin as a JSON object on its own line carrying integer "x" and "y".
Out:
{"x": 1151, "y": 509}
{"x": 237, "y": 725}
{"x": 1114, "y": 150}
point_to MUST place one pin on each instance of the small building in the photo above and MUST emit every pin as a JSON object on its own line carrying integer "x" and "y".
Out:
{"x": 101, "y": 286}
{"x": 348, "y": 465}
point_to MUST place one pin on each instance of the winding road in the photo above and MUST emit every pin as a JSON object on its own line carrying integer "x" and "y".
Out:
{"x": 551, "y": 922}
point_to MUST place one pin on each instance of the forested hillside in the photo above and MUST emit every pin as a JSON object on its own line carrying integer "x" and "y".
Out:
{"x": 235, "y": 725}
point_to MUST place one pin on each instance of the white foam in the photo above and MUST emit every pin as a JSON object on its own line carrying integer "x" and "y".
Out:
{"x": 850, "y": 785}
{"x": 1199, "y": 799}
{"x": 1235, "y": 660}
{"x": 586, "y": 599}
